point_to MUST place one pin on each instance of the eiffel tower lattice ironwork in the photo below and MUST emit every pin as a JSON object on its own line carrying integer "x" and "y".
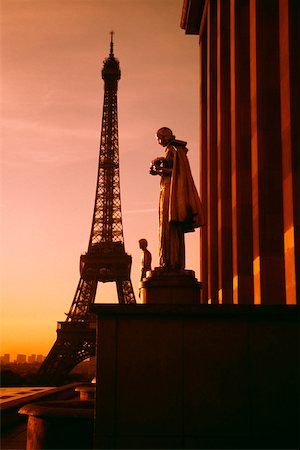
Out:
{"x": 106, "y": 259}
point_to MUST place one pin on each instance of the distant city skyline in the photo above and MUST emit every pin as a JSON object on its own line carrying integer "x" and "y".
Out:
{"x": 21, "y": 358}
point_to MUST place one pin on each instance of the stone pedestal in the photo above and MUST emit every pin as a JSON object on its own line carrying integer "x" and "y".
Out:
{"x": 162, "y": 286}
{"x": 59, "y": 424}
{"x": 86, "y": 391}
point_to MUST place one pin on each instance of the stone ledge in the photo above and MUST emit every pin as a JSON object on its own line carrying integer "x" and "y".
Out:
{"x": 278, "y": 311}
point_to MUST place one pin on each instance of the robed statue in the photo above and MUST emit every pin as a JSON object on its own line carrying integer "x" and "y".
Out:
{"x": 180, "y": 208}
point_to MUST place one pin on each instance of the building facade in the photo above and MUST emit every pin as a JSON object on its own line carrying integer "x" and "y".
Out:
{"x": 250, "y": 148}
{"x": 5, "y": 359}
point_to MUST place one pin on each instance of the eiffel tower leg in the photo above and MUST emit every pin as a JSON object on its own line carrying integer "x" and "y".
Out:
{"x": 84, "y": 296}
{"x": 74, "y": 344}
{"x": 125, "y": 292}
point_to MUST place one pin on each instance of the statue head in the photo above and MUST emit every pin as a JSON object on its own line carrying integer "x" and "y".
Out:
{"x": 143, "y": 243}
{"x": 164, "y": 135}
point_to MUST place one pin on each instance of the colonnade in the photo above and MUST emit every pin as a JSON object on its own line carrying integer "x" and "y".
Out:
{"x": 249, "y": 148}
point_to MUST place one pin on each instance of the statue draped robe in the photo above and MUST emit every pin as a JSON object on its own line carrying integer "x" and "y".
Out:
{"x": 180, "y": 209}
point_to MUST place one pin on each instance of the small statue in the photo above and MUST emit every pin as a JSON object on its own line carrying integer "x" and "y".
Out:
{"x": 146, "y": 258}
{"x": 180, "y": 208}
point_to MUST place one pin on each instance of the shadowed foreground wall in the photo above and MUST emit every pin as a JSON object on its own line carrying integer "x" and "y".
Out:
{"x": 207, "y": 376}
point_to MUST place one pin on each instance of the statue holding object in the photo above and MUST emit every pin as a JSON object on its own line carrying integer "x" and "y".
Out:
{"x": 180, "y": 208}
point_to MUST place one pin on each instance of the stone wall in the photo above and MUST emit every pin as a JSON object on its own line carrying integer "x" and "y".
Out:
{"x": 206, "y": 376}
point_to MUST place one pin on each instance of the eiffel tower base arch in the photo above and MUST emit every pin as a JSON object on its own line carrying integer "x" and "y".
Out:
{"x": 75, "y": 342}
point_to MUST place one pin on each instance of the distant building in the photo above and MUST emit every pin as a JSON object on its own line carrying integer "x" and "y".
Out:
{"x": 21, "y": 359}
{"x": 5, "y": 359}
{"x": 32, "y": 358}
{"x": 40, "y": 358}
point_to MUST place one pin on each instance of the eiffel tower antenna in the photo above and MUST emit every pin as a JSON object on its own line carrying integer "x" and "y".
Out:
{"x": 111, "y": 43}
{"x": 105, "y": 259}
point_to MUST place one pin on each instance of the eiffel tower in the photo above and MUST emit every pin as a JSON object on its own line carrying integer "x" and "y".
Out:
{"x": 105, "y": 259}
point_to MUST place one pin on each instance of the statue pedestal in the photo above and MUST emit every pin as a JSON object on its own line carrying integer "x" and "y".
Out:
{"x": 162, "y": 286}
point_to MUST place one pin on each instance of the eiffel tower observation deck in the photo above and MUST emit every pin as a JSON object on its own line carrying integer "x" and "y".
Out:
{"x": 105, "y": 259}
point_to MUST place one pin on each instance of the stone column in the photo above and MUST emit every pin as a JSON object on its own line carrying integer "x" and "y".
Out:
{"x": 241, "y": 153}
{"x": 288, "y": 206}
{"x": 266, "y": 153}
{"x": 212, "y": 163}
{"x": 224, "y": 153}
{"x": 203, "y": 160}
{"x": 294, "y": 88}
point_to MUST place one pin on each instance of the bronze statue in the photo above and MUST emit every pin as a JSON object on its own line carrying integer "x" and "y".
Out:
{"x": 146, "y": 258}
{"x": 180, "y": 209}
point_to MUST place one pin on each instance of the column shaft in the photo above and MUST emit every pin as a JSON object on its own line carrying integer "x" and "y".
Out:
{"x": 212, "y": 190}
{"x": 288, "y": 210}
{"x": 294, "y": 64}
{"x": 203, "y": 161}
{"x": 241, "y": 153}
{"x": 224, "y": 152}
{"x": 266, "y": 152}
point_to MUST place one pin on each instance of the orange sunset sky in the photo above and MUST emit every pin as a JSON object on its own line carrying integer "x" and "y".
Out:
{"x": 52, "y": 97}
